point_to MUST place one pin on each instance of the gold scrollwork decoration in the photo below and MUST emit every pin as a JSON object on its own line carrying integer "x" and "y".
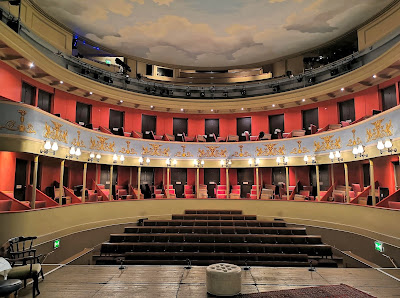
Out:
{"x": 155, "y": 150}
{"x": 380, "y": 130}
{"x": 12, "y": 124}
{"x": 211, "y": 151}
{"x": 102, "y": 144}
{"x": 271, "y": 150}
{"x": 241, "y": 153}
{"x": 299, "y": 150}
{"x": 77, "y": 142}
{"x": 355, "y": 140}
{"x": 56, "y": 133}
{"x": 329, "y": 143}
{"x": 128, "y": 150}
{"x": 183, "y": 153}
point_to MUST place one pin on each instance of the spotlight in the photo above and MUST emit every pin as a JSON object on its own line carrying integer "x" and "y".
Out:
{"x": 96, "y": 76}
{"x": 276, "y": 88}
{"x": 299, "y": 79}
{"x": 153, "y": 90}
{"x": 243, "y": 92}
{"x": 147, "y": 89}
{"x": 311, "y": 80}
{"x": 127, "y": 81}
{"x": 202, "y": 94}
{"x": 212, "y": 89}
{"x": 170, "y": 92}
{"x": 84, "y": 71}
{"x": 225, "y": 94}
{"x": 31, "y": 65}
{"x": 138, "y": 76}
{"x": 162, "y": 91}
{"x": 123, "y": 64}
{"x": 334, "y": 72}
{"x": 108, "y": 79}
{"x": 289, "y": 74}
{"x": 61, "y": 82}
{"x": 188, "y": 93}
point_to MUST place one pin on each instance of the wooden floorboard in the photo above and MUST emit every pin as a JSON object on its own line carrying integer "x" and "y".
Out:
{"x": 175, "y": 281}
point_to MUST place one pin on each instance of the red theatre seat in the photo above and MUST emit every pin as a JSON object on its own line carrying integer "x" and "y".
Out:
{"x": 394, "y": 205}
{"x": 5, "y": 205}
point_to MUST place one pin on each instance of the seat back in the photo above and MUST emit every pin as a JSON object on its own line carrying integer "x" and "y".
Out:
{"x": 5, "y": 205}
{"x": 233, "y": 138}
{"x": 356, "y": 188}
{"x": 338, "y": 197}
{"x": 200, "y": 138}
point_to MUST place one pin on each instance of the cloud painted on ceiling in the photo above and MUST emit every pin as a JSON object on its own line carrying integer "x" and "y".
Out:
{"x": 211, "y": 33}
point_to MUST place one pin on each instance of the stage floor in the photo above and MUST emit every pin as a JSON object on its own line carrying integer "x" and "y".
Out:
{"x": 175, "y": 281}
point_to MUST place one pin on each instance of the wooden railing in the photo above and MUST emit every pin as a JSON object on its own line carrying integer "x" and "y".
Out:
{"x": 394, "y": 197}
{"x": 74, "y": 199}
{"x": 15, "y": 204}
{"x": 41, "y": 197}
{"x": 364, "y": 193}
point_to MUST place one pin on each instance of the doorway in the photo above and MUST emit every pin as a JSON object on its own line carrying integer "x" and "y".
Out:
{"x": 211, "y": 179}
{"x": 245, "y": 180}
{"x": 178, "y": 180}
{"x": 20, "y": 179}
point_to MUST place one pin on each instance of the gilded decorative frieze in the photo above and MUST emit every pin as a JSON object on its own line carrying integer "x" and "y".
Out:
{"x": 355, "y": 140}
{"x": 271, "y": 150}
{"x": 380, "y": 130}
{"x": 183, "y": 153}
{"x": 77, "y": 142}
{"x": 128, "y": 150}
{"x": 102, "y": 144}
{"x": 155, "y": 150}
{"x": 300, "y": 149}
{"x": 12, "y": 124}
{"x": 211, "y": 151}
{"x": 329, "y": 143}
{"x": 241, "y": 153}
{"x": 56, "y": 133}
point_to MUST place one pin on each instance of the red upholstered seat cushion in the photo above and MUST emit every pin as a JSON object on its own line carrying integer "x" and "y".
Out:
{"x": 394, "y": 205}
{"x": 338, "y": 197}
{"x": 93, "y": 198}
{"x": 40, "y": 204}
{"x": 5, "y": 205}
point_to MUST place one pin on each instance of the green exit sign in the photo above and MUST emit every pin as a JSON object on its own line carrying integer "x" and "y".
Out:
{"x": 56, "y": 243}
{"x": 379, "y": 246}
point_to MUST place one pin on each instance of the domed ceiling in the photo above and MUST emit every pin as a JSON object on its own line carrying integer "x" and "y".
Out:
{"x": 211, "y": 33}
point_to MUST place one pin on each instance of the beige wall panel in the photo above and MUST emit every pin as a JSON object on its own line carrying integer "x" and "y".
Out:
{"x": 132, "y": 64}
{"x": 295, "y": 65}
{"x": 379, "y": 28}
{"x": 279, "y": 68}
{"x": 141, "y": 68}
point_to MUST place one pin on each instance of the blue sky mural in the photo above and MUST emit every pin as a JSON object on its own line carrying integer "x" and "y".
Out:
{"x": 211, "y": 33}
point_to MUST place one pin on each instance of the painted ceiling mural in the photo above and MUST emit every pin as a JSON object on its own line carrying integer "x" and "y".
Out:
{"x": 211, "y": 33}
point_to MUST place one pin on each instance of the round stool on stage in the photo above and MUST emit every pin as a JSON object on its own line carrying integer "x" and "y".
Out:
{"x": 223, "y": 279}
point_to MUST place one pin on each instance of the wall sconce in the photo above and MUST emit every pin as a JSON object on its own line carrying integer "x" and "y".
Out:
{"x": 92, "y": 156}
{"x": 226, "y": 163}
{"x": 174, "y": 162}
{"x": 168, "y": 162}
{"x": 147, "y": 161}
{"x": 141, "y": 161}
{"x": 74, "y": 153}
{"x": 121, "y": 158}
{"x": 337, "y": 155}
{"x": 198, "y": 163}
{"x": 256, "y": 162}
{"x": 98, "y": 156}
{"x": 48, "y": 146}
{"x": 285, "y": 160}
{"x": 388, "y": 145}
{"x": 359, "y": 151}
{"x": 313, "y": 159}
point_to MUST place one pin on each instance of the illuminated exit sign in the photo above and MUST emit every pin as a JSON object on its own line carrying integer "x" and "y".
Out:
{"x": 379, "y": 246}
{"x": 56, "y": 243}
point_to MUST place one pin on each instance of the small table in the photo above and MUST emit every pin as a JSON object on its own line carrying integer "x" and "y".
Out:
{"x": 5, "y": 267}
{"x": 223, "y": 279}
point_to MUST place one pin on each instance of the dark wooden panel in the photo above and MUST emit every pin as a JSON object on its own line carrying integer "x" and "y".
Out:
{"x": 178, "y": 180}
{"x": 211, "y": 179}
{"x": 28, "y": 94}
{"x": 242, "y": 125}
{"x": 146, "y": 181}
{"x": 278, "y": 175}
{"x": 211, "y": 127}
{"x": 346, "y": 110}
{"x": 366, "y": 175}
{"x": 20, "y": 179}
{"x": 116, "y": 119}
{"x": 389, "y": 99}
{"x": 83, "y": 112}
{"x": 148, "y": 124}
{"x": 310, "y": 117}
{"x": 180, "y": 126}
{"x": 276, "y": 121}
{"x": 44, "y": 100}
{"x": 323, "y": 178}
{"x": 245, "y": 180}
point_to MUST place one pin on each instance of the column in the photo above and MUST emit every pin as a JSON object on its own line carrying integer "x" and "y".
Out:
{"x": 318, "y": 185}
{"x": 287, "y": 182}
{"x": 372, "y": 181}
{"x": 332, "y": 176}
{"x": 168, "y": 170}
{"x": 110, "y": 196}
{"x": 257, "y": 184}
{"x": 34, "y": 182}
{"x": 61, "y": 194}
{"x": 96, "y": 179}
{"x": 84, "y": 182}
{"x": 139, "y": 170}
{"x": 198, "y": 183}
{"x": 346, "y": 179}
{"x": 227, "y": 182}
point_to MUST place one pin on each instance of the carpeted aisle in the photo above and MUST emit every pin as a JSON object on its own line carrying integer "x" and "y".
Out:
{"x": 341, "y": 291}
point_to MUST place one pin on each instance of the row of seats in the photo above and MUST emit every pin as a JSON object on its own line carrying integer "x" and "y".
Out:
{"x": 243, "y": 223}
{"x": 320, "y": 250}
{"x": 213, "y": 212}
{"x": 217, "y": 230}
{"x": 217, "y": 238}
{"x": 213, "y": 217}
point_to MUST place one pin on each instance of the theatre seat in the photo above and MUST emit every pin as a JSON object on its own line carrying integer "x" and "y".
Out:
{"x": 394, "y": 205}
{"x": 5, "y": 205}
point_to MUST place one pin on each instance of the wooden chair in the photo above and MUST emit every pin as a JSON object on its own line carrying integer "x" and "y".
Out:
{"x": 200, "y": 138}
{"x": 232, "y": 138}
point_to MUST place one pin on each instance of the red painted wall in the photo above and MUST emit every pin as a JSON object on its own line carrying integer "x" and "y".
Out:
{"x": 191, "y": 176}
{"x": 7, "y": 166}
{"x": 50, "y": 173}
{"x": 384, "y": 172}
{"x": 123, "y": 175}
